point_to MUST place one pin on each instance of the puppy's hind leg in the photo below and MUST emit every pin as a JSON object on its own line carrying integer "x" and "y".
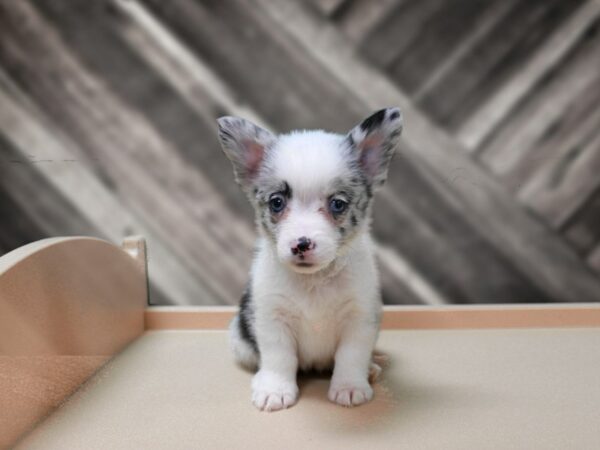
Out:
{"x": 379, "y": 361}
{"x": 243, "y": 351}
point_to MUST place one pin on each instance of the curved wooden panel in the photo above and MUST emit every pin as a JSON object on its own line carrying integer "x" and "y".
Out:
{"x": 66, "y": 306}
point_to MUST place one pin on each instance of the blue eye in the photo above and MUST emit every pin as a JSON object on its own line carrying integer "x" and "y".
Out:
{"x": 277, "y": 203}
{"x": 337, "y": 206}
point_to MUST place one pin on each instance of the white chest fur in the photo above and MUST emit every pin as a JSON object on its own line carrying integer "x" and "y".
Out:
{"x": 315, "y": 310}
{"x": 318, "y": 331}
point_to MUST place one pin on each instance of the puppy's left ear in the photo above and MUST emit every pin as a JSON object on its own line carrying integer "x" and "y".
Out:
{"x": 374, "y": 141}
{"x": 246, "y": 145}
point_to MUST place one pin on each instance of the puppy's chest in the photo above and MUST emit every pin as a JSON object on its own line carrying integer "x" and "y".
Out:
{"x": 317, "y": 326}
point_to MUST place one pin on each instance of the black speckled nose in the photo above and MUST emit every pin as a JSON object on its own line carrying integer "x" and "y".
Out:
{"x": 304, "y": 244}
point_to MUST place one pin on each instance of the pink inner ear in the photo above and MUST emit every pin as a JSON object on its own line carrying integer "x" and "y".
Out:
{"x": 253, "y": 156}
{"x": 370, "y": 154}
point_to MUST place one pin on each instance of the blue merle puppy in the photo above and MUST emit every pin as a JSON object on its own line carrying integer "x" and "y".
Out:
{"x": 314, "y": 298}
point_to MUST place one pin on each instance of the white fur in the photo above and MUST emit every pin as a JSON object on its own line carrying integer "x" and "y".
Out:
{"x": 319, "y": 317}
{"x": 317, "y": 320}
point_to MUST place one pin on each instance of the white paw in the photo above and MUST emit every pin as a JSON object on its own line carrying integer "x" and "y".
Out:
{"x": 350, "y": 394}
{"x": 272, "y": 392}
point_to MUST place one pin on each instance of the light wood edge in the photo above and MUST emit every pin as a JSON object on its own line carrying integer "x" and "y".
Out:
{"x": 10, "y": 259}
{"x": 136, "y": 247}
{"x": 404, "y": 317}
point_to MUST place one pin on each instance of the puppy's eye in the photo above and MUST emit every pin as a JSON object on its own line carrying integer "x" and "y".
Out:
{"x": 277, "y": 203}
{"x": 337, "y": 205}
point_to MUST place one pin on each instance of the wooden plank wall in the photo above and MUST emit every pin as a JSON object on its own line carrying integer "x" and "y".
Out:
{"x": 107, "y": 128}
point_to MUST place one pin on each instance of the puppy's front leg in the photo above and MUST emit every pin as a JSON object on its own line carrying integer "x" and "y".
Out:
{"x": 274, "y": 385}
{"x": 349, "y": 383}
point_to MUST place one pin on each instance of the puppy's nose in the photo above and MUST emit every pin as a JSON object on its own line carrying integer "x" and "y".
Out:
{"x": 304, "y": 244}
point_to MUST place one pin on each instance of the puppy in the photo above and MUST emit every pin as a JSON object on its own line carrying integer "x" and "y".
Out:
{"x": 313, "y": 301}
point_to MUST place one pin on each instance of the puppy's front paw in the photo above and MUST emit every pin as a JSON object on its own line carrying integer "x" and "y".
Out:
{"x": 350, "y": 394}
{"x": 272, "y": 392}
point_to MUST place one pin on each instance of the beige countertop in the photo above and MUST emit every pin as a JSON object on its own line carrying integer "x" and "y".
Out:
{"x": 443, "y": 389}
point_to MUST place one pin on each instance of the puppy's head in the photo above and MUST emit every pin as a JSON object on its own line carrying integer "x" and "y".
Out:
{"x": 311, "y": 190}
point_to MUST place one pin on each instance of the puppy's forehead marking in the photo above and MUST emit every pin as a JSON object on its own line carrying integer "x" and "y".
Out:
{"x": 309, "y": 161}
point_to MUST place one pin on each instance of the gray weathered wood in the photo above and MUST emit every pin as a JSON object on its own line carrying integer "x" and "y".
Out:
{"x": 29, "y": 134}
{"x": 484, "y": 121}
{"x": 130, "y": 89}
{"x": 494, "y": 60}
{"x": 445, "y": 30}
{"x": 396, "y": 30}
{"x": 237, "y": 41}
{"x": 359, "y": 17}
{"x": 594, "y": 259}
{"x": 564, "y": 184}
{"x": 552, "y": 114}
{"x": 583, "y": 228}
{"x": 90, "y": 114}
{"x": 485, "y": 204}
{"x": 329, "y": 7}
{"x": 450, "y": 277}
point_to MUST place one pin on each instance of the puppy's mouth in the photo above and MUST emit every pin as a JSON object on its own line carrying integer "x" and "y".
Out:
{"x": 306, "y": 268}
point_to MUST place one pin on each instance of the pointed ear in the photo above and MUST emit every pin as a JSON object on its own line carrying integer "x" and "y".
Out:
{"x": 245, "y": 144}
{"x": 374, "y": 142}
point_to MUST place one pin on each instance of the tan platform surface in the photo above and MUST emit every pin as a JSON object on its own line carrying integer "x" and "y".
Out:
{"x": 444, "y": 389}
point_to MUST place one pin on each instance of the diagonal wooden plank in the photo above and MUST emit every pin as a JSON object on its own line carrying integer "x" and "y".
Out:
{"x": 100, "y": 122}
{"x": 329, "y": 7}
{"x": 37, "y": 204}
{"x": 481, "y": 123}
{"x": 450, "y": 30}
{"x": 228, "y": 38}
{"x": 17, "y": 228}
{"x": 418, "y": 214}
{"x": 494, "y": 60}
{"x": 95, "y": 33}
{"x": 32, "y": 208}
{"x": 201, "y": 267}
{"x": 594, "y": 259}
{"x": 106, "y": 120}
{"x": 359, "y": 17}
{"x": 485, "y": 24}
{"x": 31, "y": 135}
{"x": 582, "y": 230}
{"x": 405, "y": 224}
{"x": 565, "y": 183}
{"x": 396, "y": 30}
{"x": 530, "y": 246}
{"x": 343, "y": 115}
{"x": 191, "y": 77}
{"x": 399, "y": 268}
{"x": 549, "y": 119}
{"x": 188, "y": 75}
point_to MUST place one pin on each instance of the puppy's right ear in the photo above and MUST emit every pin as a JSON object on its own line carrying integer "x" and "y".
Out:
{"x": 246, "y": 145}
